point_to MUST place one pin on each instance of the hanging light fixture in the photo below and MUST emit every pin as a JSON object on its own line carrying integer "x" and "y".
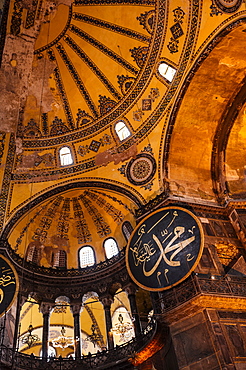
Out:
{"x": 123, "y": 329}
{"x": 30, "y": 339}
{"x": 94, "y": 338}
{"x": 62, "y": 341}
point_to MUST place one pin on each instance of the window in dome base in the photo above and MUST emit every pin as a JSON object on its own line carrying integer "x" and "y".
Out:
{"x": 127, "y": 229}
{"x": 111, "y": 248}
{"x": 166, "y": 71}
{"x": 86, "y": 256}
{"x": 59, "y": 259}
{"x": 122, "y": 130}
{"x": 65, "y": 156}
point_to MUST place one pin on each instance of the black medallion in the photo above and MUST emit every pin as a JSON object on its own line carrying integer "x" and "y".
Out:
{"x": 8, "y": 285}
{"x": 164, "y": 248}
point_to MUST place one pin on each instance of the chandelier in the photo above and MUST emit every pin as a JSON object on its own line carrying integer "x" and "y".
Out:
{"x": 123, "y": 329}
{"x": 94, "y": 337}
{"x": 62, "y": 341}
{"x": 30, "y": 339}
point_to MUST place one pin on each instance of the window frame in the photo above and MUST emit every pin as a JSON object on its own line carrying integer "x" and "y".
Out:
{"x": 126, "y": 126}
{"x": 33, "y": 254}
{"x": 168, "y": 66}
{"x": 59, "y": 253}
{"x": 79, "y": 259}
{"x": 123, "y": 232}
{"x": 105, "y": 241}
{"x": 71, "y": 154}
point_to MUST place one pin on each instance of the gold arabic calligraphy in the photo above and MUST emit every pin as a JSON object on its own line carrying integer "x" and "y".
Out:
{"x": 6, "y": 280}
{"x": 142, "y": 252}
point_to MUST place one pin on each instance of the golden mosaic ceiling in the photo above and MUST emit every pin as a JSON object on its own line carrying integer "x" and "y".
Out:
{"x": 90, "y": 64}
{"x": 88, "y": 58}
{"x": 70, "y": 220}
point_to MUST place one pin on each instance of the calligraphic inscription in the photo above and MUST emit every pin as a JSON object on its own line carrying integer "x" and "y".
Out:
{"x": 164, "y": 248}
{"x": 8, "y": 285}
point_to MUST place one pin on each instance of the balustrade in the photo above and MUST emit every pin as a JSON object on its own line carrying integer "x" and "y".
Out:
{"x": 62, "y": 272}
{"x": 11, "y": 359}
{"x": 197, "y": 285}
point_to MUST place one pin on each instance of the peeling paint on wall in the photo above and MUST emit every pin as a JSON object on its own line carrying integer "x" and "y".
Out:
{"x": 34, "y": 160}
{"x": 111, "y": 155}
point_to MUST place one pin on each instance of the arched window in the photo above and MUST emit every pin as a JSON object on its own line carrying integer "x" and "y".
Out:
{"x": 166, "y": 71}
{"x": 127, "y": 229}
{"x": 111, "y": 247}
{"x": 33, "y": 253}
{"x": 65, "y": 155}
{"x": 59, "y": 259}
{"x": 86, "y": 256}
{"x": 122, "y": 130}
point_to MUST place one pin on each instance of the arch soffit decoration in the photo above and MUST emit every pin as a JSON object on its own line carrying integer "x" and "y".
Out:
{"x": 222, "y": 135}
{"x": 180, "y": 136}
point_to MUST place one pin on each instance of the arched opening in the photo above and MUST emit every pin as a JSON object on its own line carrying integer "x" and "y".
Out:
{"x": 122, "y": 130}
{"x": 59, "y": 259}
{"x": 127, "y": 229}
{"x": 65, "y": 156}
{"x": 110, "y": 247}
{"x": 166, "y": 71}
{"x": 86, "y": 256}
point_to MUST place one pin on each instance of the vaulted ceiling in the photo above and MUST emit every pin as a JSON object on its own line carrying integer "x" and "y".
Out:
{"x": 71, "y": 71}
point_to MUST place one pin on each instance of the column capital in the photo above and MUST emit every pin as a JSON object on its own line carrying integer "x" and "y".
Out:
{"x": 106, "y": 301}
{"x": 76, "y": 308}
{"x": 130, "y": 289}
{"x": 46, "y": 308}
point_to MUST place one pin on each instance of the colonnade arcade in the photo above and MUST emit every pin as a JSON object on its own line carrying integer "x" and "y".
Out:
{"x": 72, "y": 327}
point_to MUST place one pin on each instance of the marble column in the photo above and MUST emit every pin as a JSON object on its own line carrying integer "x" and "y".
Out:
{"x": 131, "y": 292}
{"x": 45, "y": 309}
{"x": 20, "y": 301}
{"x": 107, "y": 301}
{"x": 76, "y": 310}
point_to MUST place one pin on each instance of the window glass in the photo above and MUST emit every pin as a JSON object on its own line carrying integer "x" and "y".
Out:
{"x": 33, "y": 254}
{"x": 59, "y": 259}
{"x": 166, "y": 71}
{"x": 111, "y": 248}
{"x": 127, "y": 229}
{"x": 122, "y": 130}
{"x": 65, "y": 156}
{"x": 86, "y": 256}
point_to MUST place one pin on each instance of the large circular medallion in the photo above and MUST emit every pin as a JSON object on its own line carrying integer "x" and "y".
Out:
{"x": 8, "y": 285}
{"x": 164, "y": 248}
{"x": 141, "y": 169}
{"x": 228, "y": 6}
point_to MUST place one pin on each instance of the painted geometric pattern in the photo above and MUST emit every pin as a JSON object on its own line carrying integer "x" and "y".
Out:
{"x": 103, "y": 229}
{"x": 60, "y": 218}
{"x": 66, "y": 51}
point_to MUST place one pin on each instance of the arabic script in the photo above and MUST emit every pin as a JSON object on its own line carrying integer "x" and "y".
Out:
{"x": 163, "y": 248}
